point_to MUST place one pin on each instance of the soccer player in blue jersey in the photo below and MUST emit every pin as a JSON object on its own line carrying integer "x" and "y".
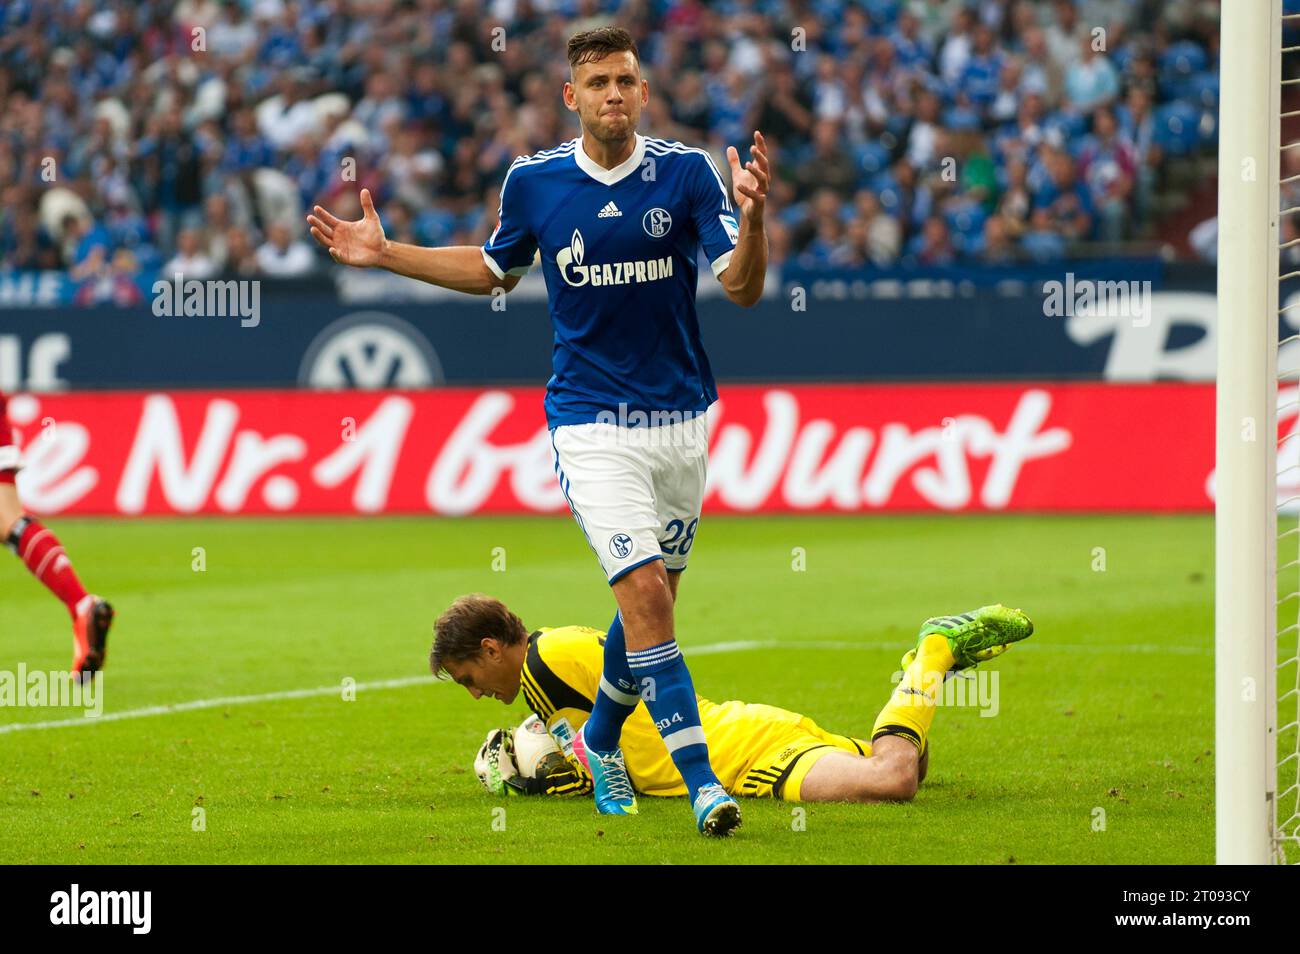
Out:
{"x": 618, "y": 219}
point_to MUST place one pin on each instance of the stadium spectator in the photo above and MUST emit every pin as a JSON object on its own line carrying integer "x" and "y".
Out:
{"x": 854, "y": 251}
{"x": 190, "y": 260}
{"x": 933, "y": 246}
{"x": 169, "y": 166}
{"x": 412, "y": 170}
{"x": 241, "y": 258}
{"x": 380, "y": 105}
{"x": 1042, "y": 75}
{"x": 1062, "y": 205}
{"x": 287, "y": 116}
{"x": 824, "y": 205}
{"x": 1138, "y": 125}
{"x": 830, "y": 98}
{"x": 282, "y": 255}
{"x": 884, "y": 235}
{"x": 1016, "y": 202}
{"x": 913, "y": 50}
{"x": 1109, "y": 13}
{"x": 982, "y": 71}
{"x": 25, "y": 244}
{"x": 909, "y": 199}
{"x": 146, "y": 129}
{"x": 690, "y": 106}
{"x": 785, "y": 109}
{"x": 978, "y": 182}
{"x": 1005, "y": 103}
{"x": 827, "y": 165}
{"x": 827, "y": 249}
{"x": 956, "y": 49}
{"x": 232, "y": 35}
{"x": 934, "y": 18}
{"x": 924, "y": 130}
{"x": 86, "y": 246}
{"x": 115, "y": 284}
{"x": 307, "y": 165}
{"x": 1107, "y": 161}
{"x": 996, "y": 246}
{"x": 246, "y": 148}
{"x": 1065, "y": 35}
{"x": 1091, "y": 81}
{"x": 191, "y": 13}
{"x": 216, "y": 222}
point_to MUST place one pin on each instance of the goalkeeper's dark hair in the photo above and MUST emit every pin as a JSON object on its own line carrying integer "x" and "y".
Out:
{"x": 459, "y": 632}
{"x": 599, "y": 43}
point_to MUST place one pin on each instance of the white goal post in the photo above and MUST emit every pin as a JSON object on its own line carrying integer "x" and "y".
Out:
{"x": 1249, "y": 827}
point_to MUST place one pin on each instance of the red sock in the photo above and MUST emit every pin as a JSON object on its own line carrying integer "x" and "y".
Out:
{"x": 42, "y": 553}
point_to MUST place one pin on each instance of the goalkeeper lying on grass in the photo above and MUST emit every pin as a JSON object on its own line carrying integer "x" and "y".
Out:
{"x": 758, "y": 750}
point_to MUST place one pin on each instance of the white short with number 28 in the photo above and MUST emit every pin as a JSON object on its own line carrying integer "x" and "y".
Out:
{"x": 634, "y": 491}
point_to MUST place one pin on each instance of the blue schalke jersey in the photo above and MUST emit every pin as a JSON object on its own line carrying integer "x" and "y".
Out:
{"x": 618, "y": 250}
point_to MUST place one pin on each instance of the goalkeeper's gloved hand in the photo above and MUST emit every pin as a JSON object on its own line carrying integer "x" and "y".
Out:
{"x": 558, "y": 775}
{"x": 495, "y": 764}
{"x": 497, "y": 770}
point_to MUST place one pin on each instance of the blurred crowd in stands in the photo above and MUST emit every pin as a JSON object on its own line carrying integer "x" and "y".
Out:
{"x": 139, "y": 135}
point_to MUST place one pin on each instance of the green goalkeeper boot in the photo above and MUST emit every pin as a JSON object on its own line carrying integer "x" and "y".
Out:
{"x": 977, "y": 636}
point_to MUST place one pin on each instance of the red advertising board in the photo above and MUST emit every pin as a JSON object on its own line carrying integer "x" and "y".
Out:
{"x": 796, "y": 448}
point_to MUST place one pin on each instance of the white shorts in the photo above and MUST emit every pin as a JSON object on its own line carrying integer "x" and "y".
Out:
{"x": 635, "y": 491}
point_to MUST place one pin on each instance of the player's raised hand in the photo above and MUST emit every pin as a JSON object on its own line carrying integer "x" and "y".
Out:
{"x": 750, "y": 184}
{"x": 359, "y": 243}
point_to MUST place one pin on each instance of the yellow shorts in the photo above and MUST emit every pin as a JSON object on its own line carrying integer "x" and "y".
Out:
{"x": 776, "y": 748}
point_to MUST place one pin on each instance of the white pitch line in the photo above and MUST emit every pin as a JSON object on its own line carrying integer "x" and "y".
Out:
{"x": 742, "y": 645}
{"x": 216, "y": 703}
{"x": 708, "y": 649}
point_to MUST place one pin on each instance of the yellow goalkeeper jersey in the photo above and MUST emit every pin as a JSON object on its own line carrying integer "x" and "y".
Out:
{"x": 756, "y": 750}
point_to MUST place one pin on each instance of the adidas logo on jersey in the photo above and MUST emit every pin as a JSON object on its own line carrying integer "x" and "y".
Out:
{"x": 609, "y": 211}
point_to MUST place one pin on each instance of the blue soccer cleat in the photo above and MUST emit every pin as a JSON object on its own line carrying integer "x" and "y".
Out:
{"x": 716, "y": 812}
{"x": 609, "y": 778}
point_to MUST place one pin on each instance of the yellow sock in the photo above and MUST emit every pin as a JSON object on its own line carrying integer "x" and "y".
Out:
{"x": 910, "y": 710}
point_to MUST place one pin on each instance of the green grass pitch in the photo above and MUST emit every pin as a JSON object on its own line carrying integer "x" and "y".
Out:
{"x": 1100, "y": 751}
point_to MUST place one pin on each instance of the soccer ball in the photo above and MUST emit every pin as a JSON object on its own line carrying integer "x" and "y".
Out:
{"x": 524, "y": 761}
{"x": 536, "y": 753}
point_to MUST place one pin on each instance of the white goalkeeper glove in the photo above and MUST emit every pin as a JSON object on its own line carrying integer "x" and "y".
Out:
{"x": 498, "y": 771}
{"x": 495, "y": 764}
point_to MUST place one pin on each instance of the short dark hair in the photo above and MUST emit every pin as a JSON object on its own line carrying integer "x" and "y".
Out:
{"x": 599, "y": 43}
{"x": 461, "y": 629}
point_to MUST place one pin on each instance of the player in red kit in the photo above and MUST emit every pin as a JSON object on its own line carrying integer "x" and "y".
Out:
{"x": 41, "y": 552}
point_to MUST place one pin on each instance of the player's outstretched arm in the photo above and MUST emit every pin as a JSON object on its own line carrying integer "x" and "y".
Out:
{"x": 744, "y": 276}
{"x": 363, "y": 244}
